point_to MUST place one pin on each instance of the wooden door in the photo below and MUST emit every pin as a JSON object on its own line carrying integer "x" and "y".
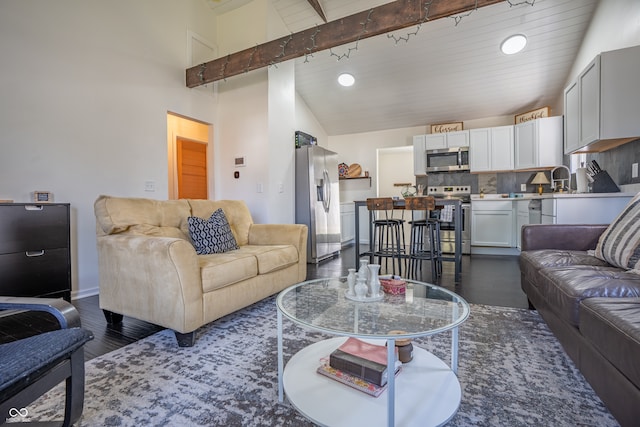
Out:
{"x": 192, "y": 169}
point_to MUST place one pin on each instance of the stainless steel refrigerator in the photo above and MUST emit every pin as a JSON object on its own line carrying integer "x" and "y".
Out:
{"x": 318, "y": 200}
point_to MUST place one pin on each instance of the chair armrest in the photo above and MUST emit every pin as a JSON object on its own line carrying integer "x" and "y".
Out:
{"x": 156, "y": 279}
{"x": 278, "y": 234}
{"x": 578, "y": 237}
{"x": 64, "y": 312}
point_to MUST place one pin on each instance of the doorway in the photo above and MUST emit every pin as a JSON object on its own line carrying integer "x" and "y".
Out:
{"x": 188, "y": 157}
{"x": 394, "y": 169}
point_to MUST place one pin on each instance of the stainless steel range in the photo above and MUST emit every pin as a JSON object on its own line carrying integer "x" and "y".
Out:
{"x": 447, "y": 234}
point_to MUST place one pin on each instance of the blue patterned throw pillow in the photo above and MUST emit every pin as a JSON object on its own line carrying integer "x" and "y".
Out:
{"x": 212, "y": 236}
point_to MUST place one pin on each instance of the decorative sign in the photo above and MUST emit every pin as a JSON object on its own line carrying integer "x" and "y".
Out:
{"x": 446, "y": 127}
{"x": 42, "y": 196}
{"x": 532, "y": 115}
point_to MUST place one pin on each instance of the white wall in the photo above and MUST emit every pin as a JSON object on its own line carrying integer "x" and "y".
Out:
{"x": 85, "y": 87}
{"x": 257, "y": 114}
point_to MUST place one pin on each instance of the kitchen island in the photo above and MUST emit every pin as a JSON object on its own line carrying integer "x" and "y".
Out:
{"x": 399, "y": 204}
{"x": 493, "y": 213}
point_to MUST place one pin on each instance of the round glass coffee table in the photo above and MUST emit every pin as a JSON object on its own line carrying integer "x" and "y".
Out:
{"x": 426, "y": 391}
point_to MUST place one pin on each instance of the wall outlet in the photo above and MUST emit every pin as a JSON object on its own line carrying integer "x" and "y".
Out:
{"x": 150, "y": 186}
{"x": 523, "y": 187}
{"x": 634, "y": 170}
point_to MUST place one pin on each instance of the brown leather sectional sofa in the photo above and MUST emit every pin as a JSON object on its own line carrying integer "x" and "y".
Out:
{"x": 592, "y": 307}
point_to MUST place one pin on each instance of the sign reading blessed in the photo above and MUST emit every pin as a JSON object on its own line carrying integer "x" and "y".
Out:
{"x": 532, "y": 115}
{"x": 446, "y": 127}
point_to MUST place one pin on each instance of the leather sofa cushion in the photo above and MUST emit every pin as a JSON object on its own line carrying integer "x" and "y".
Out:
{"x": 532, "y": 261}
{"x": 566, "y": 287}
{"x": 612, "y": 325}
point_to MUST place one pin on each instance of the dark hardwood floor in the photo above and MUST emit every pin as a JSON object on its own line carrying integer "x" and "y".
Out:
{"x": 490, "y": 280}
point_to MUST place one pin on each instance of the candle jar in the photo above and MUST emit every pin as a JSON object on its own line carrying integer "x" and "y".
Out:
{"x": 404, "y": 347}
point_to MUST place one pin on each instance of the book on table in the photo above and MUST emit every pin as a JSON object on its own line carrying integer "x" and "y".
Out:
{"x": 350, "y": 380}
{"x": 363, "y": 360}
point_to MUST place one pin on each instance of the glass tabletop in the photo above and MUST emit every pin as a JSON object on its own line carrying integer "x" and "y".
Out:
{"x": 424, "y": 309}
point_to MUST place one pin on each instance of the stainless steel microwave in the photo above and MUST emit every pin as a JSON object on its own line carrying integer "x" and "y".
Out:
{"x": 448, "y": 159}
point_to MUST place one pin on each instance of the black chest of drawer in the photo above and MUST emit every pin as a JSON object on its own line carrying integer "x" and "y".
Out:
{"x": 35, "y": 250}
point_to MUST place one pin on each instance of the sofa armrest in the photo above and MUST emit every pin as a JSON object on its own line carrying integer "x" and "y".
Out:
{"x": 579, "y": 237}
{"x": 64, "y": 312}
{"x": 156, "y": 279}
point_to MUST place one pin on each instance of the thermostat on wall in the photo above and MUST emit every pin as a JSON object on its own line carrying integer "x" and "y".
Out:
{"x": 42, "y": 196}
{"x": 239, "y": 162}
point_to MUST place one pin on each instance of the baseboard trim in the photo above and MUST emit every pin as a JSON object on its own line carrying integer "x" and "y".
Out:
{"x": 85, "y": 293}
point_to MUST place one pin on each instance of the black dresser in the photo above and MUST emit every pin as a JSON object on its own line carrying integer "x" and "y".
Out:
{"x": 35, "y": 250}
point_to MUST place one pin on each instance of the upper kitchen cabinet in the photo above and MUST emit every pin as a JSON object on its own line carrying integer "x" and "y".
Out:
{"x": 601, "y": 105}
{"x": 419, "y": 157}
{"x": 538, "y": 143}
{"x": 435, "y": 141}
{"x": 491, "y": 149}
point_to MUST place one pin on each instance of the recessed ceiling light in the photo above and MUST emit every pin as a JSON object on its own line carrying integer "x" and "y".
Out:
{"x": 346, "y": 79}
{"x": 513, "y": 44}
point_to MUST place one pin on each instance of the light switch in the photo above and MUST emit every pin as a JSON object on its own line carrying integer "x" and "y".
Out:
{"x": 634, "y": 170}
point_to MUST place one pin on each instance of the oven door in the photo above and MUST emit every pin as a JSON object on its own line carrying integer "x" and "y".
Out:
{"x": 447, "y": 230}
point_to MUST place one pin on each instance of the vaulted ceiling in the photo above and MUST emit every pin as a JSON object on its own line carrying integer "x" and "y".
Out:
{"x": 451, "y": 69}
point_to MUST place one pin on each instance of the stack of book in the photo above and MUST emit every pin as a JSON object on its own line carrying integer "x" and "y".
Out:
{"x": 360, "y": 365}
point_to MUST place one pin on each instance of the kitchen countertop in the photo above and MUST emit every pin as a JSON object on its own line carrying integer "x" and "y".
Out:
{"x": 532, "y": 196}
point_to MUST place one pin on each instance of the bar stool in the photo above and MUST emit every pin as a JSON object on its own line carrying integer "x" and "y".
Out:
{"x": 388, "y": 233}
{"x": 424, "y": 243}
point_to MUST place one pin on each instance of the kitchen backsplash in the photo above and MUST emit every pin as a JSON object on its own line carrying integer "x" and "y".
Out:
{"x": 617, "y": 162}
{"x": 492, "y": 183}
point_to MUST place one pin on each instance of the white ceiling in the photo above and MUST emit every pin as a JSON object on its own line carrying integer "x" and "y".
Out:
{"x": 444, "y": 73}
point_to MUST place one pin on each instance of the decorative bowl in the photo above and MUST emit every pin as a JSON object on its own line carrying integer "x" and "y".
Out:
{"x": 393, "y": 286}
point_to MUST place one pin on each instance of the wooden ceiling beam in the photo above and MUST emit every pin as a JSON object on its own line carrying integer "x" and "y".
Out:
{"x": 378, "y": 20}
{"x": 316, "y": 6}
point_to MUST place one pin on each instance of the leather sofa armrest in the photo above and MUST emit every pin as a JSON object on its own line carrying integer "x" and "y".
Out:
{"x": 579, "y": 237}
{"x": 156, "y": 279}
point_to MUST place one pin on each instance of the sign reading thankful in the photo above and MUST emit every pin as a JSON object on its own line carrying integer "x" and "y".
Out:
{"x": 446, "y": 127}
{"x": 532, "y": 115}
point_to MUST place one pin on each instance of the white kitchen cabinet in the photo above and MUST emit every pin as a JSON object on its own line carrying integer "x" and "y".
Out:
{"x": 491, "y": 149}
{"x": 538, "y": 143}
{"x": 590, "y": 209}
{"x": 492, "y": 223}
{"x": 600, "y": 106}
{"x": 347, "y": 222}
{"x": 419, "y": 156}
{"x": 522, "y": 218}
{"x": 435, "y": 141}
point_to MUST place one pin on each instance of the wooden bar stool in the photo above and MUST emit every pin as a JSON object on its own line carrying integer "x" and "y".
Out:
{"x": 388, "y": 233}
{"x": 424, "y": 243}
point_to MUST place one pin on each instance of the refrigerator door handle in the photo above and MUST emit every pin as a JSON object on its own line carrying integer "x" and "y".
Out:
{"x": 326, "y": 201}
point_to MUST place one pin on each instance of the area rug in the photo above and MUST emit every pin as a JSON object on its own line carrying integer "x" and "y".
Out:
{"x": 512, "y": 370}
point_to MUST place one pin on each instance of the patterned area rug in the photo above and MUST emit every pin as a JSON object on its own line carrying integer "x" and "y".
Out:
{"x": 512, "y": 370}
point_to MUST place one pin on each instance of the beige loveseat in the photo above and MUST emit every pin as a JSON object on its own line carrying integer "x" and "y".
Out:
{"x": 149, "y": 268}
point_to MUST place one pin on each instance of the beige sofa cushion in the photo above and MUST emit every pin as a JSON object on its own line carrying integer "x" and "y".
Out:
{"x": 236, "y": 211}
{"x": 165, "y": 218}
{"x": 220, "y": 270}
{"x": 273, "y": 257}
